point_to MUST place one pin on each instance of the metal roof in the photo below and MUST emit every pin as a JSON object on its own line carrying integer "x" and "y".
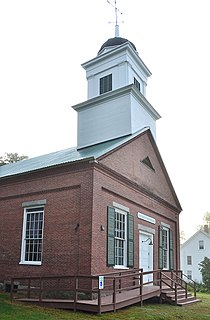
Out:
{"x": 63, "y": 157}
{"x": 116, "y": 41}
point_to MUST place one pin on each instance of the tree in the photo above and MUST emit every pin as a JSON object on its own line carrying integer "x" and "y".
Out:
{"x": 206, "y": 223}
{"x": 205, "y": 271}
{"x": 206, "y": 220}
{"x": 11, "y": 158}
{"x": 182, "y": 236}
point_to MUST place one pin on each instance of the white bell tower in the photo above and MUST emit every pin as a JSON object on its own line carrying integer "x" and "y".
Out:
{"x": 117, "y": 104}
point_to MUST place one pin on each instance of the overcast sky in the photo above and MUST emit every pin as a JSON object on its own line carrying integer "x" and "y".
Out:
{"x": 42, "y": 46}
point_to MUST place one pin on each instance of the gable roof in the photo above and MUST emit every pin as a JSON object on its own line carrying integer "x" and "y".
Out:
{"x": 194, "y": 235}
{"x": 158, "y": 155}
{"x": 70, "y": 155}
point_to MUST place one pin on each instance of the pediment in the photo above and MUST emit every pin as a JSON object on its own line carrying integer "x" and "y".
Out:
{"x": 139, "y": 161}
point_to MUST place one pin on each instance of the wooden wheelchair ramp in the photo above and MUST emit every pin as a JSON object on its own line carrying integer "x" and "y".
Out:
{"x": 123, "y": 299}
{"x": 97, "y": 294}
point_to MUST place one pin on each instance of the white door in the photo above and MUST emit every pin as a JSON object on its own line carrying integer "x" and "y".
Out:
{"x": 146, "y": 255}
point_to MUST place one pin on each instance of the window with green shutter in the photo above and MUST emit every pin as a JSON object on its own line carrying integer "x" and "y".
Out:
{"x": 120, "y": 238}
{"x": 165, "y": 248}
{"x": 171, "y": 250}
{"x": 160, "y": 248}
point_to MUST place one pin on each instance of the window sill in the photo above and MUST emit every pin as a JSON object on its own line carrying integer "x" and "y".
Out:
{"x": 31, "y": 263}
{"x": 121, "y": 267}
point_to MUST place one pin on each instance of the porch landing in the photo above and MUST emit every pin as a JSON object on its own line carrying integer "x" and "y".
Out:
{"x": 123, "y": 299}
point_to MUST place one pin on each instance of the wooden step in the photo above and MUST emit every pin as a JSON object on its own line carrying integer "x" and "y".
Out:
{"x": 167, "y": 291}
{"x": 188, "y": 302}
{"x": 184, "y": 299}
{"x": 179, "y": 296}
{"x": 169, "y": 296}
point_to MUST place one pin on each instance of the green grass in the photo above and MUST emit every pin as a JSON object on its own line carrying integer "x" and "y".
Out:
{"x": 12, "y": 310}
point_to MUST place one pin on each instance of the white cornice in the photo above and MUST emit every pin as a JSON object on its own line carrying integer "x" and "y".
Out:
{"x": 111, "y": 95}
{"x": 116, "y": 51}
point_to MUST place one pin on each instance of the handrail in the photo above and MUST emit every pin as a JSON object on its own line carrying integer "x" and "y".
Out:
{"x": 192, "y": 284}
{"x": 119, "y": 281}
{"x": 169, "y": 285}
{"x": 119, "y": 272}
{"x": 55, "y": 277}
{"x": 191, "y": 280}
{"x": 177, "y": 282}
{"x": 114, "y": 283}
{"x": 186, "y": 283}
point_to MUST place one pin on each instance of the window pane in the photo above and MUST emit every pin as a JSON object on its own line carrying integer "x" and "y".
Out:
{"x": 189, "y": 260}
{"x": 165, "y": 265}
{"x": 165, "y": 248}
{"x": 119, "y": 252}
{"x": 120, "y": 238}
{"x": 137, "y": 84}
{"x": 106, "y": 84}
{"x": 201, "y": 244}
{"x": 189, "y": 274}
{"x": 33, "y": 234}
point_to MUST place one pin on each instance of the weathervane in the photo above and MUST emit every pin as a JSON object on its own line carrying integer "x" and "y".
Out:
{"x": 116, "y": 17}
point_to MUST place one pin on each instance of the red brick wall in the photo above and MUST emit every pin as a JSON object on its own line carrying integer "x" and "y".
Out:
{"x": 68, "y": 192}
{"x": 108, "y": 190}
{"x": 110, "y": 186}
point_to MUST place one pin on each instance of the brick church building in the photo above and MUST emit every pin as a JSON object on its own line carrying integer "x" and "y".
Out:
{"x": 107, "y": 204}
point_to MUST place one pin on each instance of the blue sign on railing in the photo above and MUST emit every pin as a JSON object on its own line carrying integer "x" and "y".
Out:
{"x": 101, "y": 282}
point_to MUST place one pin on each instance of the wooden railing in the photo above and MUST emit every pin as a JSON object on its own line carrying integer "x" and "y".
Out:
{"x": 44, "y": 287}
{"x": 189, "y": 283}
{"x": 78, "y": 287}
{"x": 175, "y": 280}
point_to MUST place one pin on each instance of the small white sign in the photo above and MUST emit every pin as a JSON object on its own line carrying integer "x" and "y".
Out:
{"x": 101, "y": 282}
{"x": 146, "y": 218}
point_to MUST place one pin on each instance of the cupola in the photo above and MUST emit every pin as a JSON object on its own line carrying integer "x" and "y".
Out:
{"x": 116, "y": 103}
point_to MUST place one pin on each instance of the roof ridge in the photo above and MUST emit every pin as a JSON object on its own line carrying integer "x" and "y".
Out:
{"x": 64, "y": 156}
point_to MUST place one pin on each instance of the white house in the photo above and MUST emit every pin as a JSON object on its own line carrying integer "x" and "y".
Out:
{"x": 192, "y": 252}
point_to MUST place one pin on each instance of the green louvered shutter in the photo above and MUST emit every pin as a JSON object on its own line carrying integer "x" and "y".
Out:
{"x": 130, "y": 241}
{"x": 110, "y": 236}
{"x": 171, "y": 250}
{"x": 160, "y": 247}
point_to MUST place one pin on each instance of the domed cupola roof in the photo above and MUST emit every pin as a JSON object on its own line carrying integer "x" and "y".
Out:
{"x": 116, "y": 41}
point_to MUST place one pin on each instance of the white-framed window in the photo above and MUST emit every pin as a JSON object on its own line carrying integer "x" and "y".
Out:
{"x": 201, "y": 244}
{"x": 106, "y": 83}
{"x": 189, "y": 260}
{"x": 189, "y": 274}
{"x": 165, "y": 244}
{"x": 166, "y": 247}
{"x": 32, "y": 235}
{"x": 120, "y": 238}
